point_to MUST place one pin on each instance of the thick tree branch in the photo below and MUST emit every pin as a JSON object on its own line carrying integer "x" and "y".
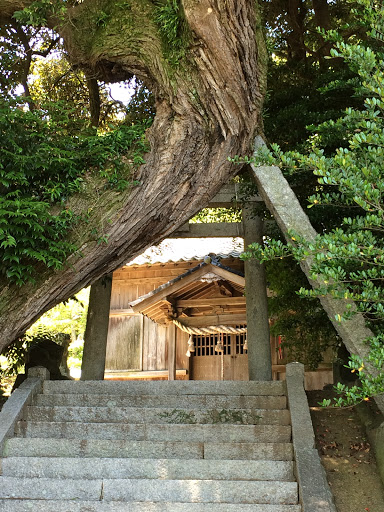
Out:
{"x": 94, "y": 100}
{"x": 26, "y": 64}
{"x": 207, "y": 109}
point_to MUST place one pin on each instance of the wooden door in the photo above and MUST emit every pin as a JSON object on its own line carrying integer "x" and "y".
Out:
{"x": 231, "y": 364}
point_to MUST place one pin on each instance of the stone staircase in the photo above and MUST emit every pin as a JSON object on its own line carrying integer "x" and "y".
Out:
{"x": 172, "y": 446}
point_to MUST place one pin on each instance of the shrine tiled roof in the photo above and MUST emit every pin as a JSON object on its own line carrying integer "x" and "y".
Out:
{"x": 169, "y": 253}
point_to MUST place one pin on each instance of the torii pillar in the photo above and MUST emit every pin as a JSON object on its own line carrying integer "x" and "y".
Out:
{"x": 258, "y": 339}
{"x": 96, "y": 331}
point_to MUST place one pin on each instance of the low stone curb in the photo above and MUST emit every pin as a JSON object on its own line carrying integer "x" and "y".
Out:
{"x": 373, "y": 421}
{"x": 314, "y": 492}
{"x": 14, "y": 407}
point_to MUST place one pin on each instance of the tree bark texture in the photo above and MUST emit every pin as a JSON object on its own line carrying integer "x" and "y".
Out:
{"x": 207, "y": 109}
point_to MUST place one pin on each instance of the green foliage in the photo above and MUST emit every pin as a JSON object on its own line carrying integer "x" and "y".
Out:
{"x": 178, "y": 416}
{"x": 75, "y": 354}
{"x": 349, "y": 259}
{"x": 232, "y": 416}
{"x": 36, "y": 14}
{"x": 16, "y": 53}
{"x": 44, "y": 157}
{"x": 102, "y": 18}
{"x": 305, "y": 85}
{"x": 68, "y": 317}
{"x": 118, "y": 152}
{"x": 54, "y": 80}
{"x": 13, "y": 357}
{"x": 209, "y": 215}
{"x": 306, "y": 329}
{"x": 48, "y": 150}
{"x": 10, "y": 68}
{"x": 169, "y": 17}
{"x": 141, "y": 108}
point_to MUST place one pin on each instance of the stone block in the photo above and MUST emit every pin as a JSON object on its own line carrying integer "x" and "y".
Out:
{"x": 40, "y": 447}
{"x": 126, "y": 388}
{"x": 14, "y": 408}
{"x": 314, "y": 491}
{"x": 119, "y": 506}
{"x": 248, "y": 451}
{"x": 181, "y": 469}
{"x": 49, "y": 489}
{"x": 166, "y": 401}
{"x": 201, "y": 491}
{"x": 155, "y": 432}
{"x": 39, "y": 372}
{"x": 159, "y": 415}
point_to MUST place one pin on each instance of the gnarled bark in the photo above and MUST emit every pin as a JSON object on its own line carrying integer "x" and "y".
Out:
{"x": 208, "y": 109}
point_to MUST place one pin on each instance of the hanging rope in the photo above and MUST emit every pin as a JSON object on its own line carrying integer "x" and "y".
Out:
{"x": 211, "y": 329}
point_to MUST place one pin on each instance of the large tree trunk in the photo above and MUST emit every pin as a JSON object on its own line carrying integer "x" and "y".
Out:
{"x": 208, "y": 109}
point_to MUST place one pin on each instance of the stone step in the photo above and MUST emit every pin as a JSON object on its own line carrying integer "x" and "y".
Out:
{"x": 191, "y": 491}
{"x": 248, "y": 388}
{"x": 159, "y": 415}
{"x": 181, "y": 469}
{"x": 156, "y": 432}
{"x": 42, "y": 447}
{"x": 119, "y": 506}
{"x": 166, "y": 401}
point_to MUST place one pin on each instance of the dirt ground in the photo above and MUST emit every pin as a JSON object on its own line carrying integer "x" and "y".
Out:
{"x": 347, "y": 457}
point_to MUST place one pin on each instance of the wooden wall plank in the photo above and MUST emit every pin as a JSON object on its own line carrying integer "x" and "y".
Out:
{"x": 172, "y": 339}
{"x": 124, "y": 344}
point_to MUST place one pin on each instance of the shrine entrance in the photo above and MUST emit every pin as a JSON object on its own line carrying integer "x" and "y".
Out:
{"x": 230, "y": 362}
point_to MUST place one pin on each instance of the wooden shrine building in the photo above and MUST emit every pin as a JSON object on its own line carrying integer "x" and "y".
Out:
{"x": 186, "y": 319}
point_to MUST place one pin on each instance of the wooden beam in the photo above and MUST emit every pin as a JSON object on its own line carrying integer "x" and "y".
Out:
{"x": 229, "y": 276}
{"x": 228, "y": 196}
{"x": 122, "y": 312}
{"x": 168, "y": 289}
{"x": 209, "y": 230}
{"x": 137, "y": 375}
{"x": 145, "y": 280}
{"x": 203, "y": 321}
{"x": 218, "y": 230}
{"x": 224, "y": 301}
{"x": 172, "y": 334}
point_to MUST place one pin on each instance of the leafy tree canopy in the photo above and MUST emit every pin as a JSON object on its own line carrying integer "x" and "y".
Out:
{"x": 349, "y": 258}
{"x": 68, "y": 131}
{"x": 49, "y": 147}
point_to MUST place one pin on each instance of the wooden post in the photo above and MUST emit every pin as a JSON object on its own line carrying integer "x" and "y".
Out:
{"x": 96, "y": 332}
{"x": 172, "y": 352}
{"x": 258, "y": 339}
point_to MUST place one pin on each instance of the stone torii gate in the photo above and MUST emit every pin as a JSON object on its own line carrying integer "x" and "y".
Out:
{"x": 258, "y": 338}
{"x": 289, "y": 215}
